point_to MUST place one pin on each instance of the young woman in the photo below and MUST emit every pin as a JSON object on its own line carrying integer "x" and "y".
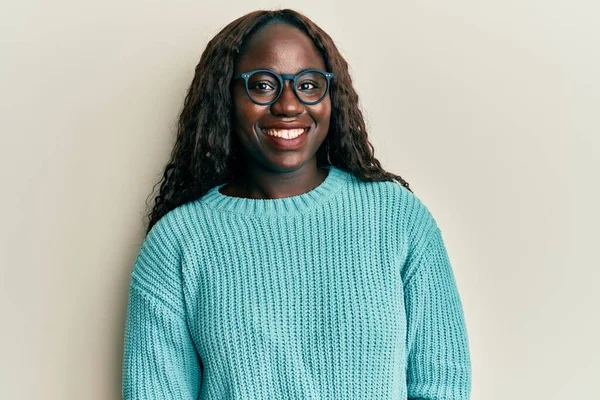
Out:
{"x": 281, "y": 260}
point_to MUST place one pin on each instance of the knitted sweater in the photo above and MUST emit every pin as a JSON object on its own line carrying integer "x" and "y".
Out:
{"x": 342, "y": 292}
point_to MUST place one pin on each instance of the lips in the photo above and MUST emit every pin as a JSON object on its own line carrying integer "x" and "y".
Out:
{"x": 285, "y": 130}
{"x": 285, "y": 133}
{"x": 286, "y": 136}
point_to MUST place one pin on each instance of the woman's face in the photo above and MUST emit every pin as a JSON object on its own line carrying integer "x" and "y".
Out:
{"x": 285, "y": 50}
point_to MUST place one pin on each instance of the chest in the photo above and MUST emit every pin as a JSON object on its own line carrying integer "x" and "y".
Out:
{"x": 332, "y": 289}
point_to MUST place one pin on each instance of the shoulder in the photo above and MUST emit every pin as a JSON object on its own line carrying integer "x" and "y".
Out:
{"x": 159, "y": 251}
{"x": 408, "y": 208}
{"x": 413, "y": 212}
{"x": 177, "y": 224}
{"x": 157, "y": 273}
{"x": 412, "y": 219}
{"x": 169, "y": 229}
{"x": 164, "y": 244}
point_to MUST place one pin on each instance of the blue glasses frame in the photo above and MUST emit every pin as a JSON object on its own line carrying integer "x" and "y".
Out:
{"x": 285, "y": 77}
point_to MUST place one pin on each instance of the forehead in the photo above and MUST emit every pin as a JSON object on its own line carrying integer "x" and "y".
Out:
{"x": 282, "y": 48}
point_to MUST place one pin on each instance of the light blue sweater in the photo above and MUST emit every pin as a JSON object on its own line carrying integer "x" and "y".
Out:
{"x": 343, "y": 292}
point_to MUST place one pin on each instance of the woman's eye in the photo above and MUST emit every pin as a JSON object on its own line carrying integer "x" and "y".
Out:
{"x": 262, "y": 86}
{"x": 307, "y": 86}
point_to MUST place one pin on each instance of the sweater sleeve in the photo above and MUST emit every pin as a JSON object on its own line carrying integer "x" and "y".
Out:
{"x": 438, "y": 364}
{"x": 160, "y": 360}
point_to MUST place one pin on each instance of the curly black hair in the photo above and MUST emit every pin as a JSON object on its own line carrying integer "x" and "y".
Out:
{"x": 206, "y": 153}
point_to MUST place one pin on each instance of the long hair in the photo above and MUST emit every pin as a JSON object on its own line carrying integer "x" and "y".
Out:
{"x": 206, "y": 153}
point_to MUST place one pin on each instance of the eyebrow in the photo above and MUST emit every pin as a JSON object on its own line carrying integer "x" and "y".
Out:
{"x": 292, "y": 73}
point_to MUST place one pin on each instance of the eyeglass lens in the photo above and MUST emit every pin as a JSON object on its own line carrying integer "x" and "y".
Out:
{"x": 264, "y": 87}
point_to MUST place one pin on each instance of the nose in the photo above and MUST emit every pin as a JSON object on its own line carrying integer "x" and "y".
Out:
{"x": 288, "y": 104}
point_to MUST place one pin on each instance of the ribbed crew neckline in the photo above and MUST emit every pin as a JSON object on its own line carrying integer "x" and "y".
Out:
{"x": 333, "y": 183}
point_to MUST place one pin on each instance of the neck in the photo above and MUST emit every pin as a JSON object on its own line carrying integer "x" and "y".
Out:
{"x": 261, "y": 183}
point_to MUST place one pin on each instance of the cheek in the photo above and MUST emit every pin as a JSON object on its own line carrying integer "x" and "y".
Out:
{"x": 245, "y": 111}
{"x": 322, "y": 112}
{"x": 246, "y": 115}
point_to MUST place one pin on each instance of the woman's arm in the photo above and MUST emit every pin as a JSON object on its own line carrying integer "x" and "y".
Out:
{"x": 160, "y": 360}
{"x": 439, "y": 365}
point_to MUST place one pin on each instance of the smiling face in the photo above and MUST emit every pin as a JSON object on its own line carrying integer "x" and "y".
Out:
{"x": 269, "y": 134}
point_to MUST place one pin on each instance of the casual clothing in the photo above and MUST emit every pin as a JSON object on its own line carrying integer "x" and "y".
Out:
{"x": 343, "y": 292}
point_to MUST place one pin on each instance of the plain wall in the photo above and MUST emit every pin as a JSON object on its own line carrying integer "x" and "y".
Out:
{"x": 490, "y": 110}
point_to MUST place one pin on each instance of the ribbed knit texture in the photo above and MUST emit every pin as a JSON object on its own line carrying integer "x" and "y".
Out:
{"x": 343, "y": 292}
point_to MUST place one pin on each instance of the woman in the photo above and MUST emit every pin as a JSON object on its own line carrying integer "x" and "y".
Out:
{"x": 281, "y": 260}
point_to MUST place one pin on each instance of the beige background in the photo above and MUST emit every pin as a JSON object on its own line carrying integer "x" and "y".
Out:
{"x": 492, "y": 114}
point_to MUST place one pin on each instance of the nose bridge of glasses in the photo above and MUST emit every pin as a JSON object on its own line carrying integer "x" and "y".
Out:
{"x": 291, "y": 78}
{"x": 288, "y": 77}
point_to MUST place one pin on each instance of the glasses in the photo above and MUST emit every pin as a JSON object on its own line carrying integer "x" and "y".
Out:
{"x": 264, "y": 86}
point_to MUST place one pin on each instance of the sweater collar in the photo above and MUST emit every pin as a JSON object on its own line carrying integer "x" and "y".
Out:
{"x": 334, "y": 181}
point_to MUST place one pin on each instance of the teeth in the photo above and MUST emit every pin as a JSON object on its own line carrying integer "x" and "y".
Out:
{"x": 284, "y": 133}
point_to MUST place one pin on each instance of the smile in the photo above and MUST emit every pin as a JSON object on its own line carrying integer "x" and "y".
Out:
{"x": 285, "y": 133}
